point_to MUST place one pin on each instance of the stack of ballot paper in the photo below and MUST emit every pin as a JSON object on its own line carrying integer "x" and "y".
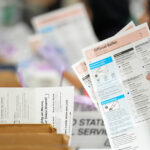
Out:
{"x": 114, "y": 73}
{"x": 31, "y": 137}
{"x": 38, "y": 106}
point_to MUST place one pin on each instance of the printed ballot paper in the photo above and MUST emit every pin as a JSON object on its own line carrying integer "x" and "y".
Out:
{"x": 118, "y": 67}
{"x": 71, "y": 27}
{"x": 81, "y": 70}
{"x": 38, "y": 105}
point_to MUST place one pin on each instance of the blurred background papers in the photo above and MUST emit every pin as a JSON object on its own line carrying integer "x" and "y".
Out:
{"x": 14, "y": 46}
{"x": 38, "y": 73}
{"x": 71, "y": 26}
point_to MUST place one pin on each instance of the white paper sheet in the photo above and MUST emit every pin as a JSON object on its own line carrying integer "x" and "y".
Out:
{"x": 81, "y": 70}
{"x": 123, "y": 129}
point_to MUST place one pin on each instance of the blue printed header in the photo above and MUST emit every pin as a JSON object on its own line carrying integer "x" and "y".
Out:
{"x": 100, "y": 63}
{"x": 113, "y": 99}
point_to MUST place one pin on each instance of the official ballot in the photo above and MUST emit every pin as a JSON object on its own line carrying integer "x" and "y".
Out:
{"x": 118, "y": 67}
{"x": 72, "y": 23}
{"x": 38, "y": 105}
{"x": 23, "y": 139}
{"x": 26, "y": 128}
{"x": 82, "y": 72}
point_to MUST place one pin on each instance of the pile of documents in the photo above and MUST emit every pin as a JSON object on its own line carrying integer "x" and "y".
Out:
{"x": 31, "y": 137}
{"x": 38, "y": 106}
{"x": 114, "y": 73}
